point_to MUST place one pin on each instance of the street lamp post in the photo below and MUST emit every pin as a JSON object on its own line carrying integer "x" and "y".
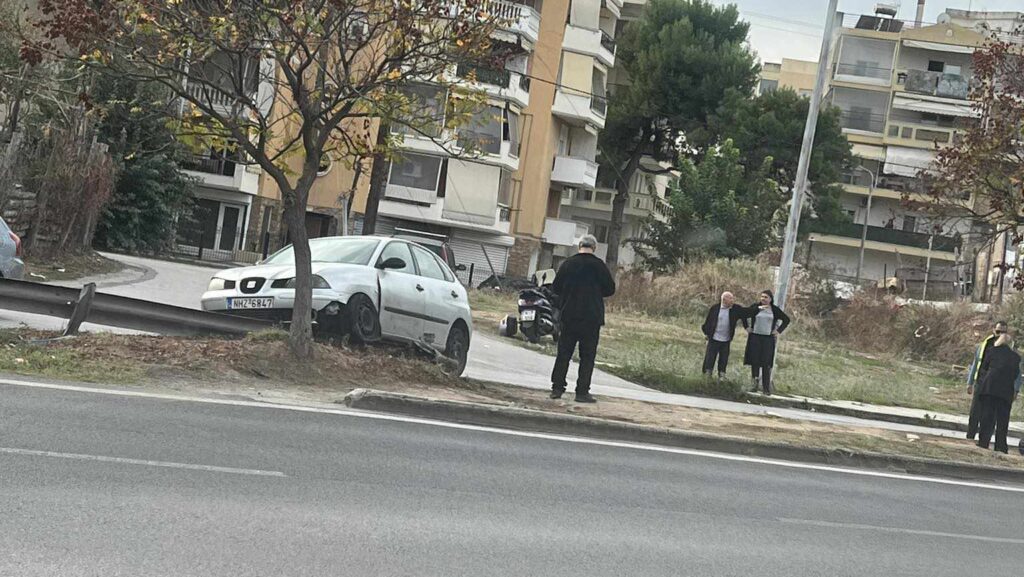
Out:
{"x": 867, "y": 214}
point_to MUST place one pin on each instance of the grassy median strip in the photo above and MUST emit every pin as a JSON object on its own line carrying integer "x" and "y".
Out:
{"x": 665, "y": 353}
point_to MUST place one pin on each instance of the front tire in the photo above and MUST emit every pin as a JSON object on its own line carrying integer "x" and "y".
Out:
{"x": 457, "y": 349}
{"x": 363, "y": 320}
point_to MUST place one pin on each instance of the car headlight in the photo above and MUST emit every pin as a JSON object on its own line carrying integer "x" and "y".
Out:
{"x": 217, "y": 284}
{"x": 317, "y": 281}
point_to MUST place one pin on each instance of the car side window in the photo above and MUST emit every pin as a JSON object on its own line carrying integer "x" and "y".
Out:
{"x": 429, "y": 267}
{"x": 400, "y": 250}
{"x": 448, "y": 276}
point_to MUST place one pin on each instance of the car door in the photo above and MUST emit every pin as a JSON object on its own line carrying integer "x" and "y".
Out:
{"x": 437, "y": 313}
{"x": 401, "y": 302}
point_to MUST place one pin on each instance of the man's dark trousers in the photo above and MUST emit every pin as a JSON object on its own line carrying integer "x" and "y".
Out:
{"x": 586, "y": 336}
{"x": 995, "y": 415}
{"x": 716, "y": 350}
{"x": 974, "y": 417}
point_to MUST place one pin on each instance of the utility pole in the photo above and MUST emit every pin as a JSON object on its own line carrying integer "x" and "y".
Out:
{"x": 867, "y": 214}
{"x": 800, "y": 187}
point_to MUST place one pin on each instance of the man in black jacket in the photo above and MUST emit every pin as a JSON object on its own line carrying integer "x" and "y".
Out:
{"x": 997, "y": 391}
{"x": 582, "y": 283}
{"x": 719, "y": 328}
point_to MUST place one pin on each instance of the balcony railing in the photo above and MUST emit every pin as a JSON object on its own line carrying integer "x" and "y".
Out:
{"x": 865, "y": 121}
{"x": 940, "y": 84}
{"x": 607, "y": 42}
{"x": 520, "y": 17}
{"x": 484, "y": 75}
{"x": 923, "y": 133}
{"x": 940, "y": 243}
{"x": 864, "y": 71}
{"x": 219, "y": 165}
{"x": 599, "y": 104}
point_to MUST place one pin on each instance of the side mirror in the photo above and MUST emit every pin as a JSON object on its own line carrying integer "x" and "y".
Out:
{"x": 460, "y": 268}
{"x": 391, "y": 263}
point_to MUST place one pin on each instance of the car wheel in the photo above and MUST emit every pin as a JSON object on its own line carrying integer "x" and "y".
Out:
{"x": 457, "y": 349}
{"x": 363, "y": 320}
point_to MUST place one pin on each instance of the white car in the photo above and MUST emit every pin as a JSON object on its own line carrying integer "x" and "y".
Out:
{"x": 369, "y": 287}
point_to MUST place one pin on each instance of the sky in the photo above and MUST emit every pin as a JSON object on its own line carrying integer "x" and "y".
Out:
{"x": 793, "y": 28}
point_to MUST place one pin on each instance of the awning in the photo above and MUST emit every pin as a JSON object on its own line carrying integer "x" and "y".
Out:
{"x": 868, "y": 152}
{"x": 901, "y": 161}
{"x": 965, "y": 110}
{"x": 938, "y": 46}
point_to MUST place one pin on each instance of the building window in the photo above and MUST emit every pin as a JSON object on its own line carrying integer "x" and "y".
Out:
{"x": 418, "y": 171}
{"x": 909, "y": 223}
{"x": 505, "y": 188}
{"x": 484, "y": 131}
{"x": 936, "y": 66}
{"x": 584, "y": 195}
{"x": 768, "y": 86}
{"x": 511, "y": 131}
{"x": 600, "y": 232}
{"x": 425, "y": 114}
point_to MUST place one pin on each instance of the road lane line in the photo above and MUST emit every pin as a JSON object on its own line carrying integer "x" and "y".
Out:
{"x": 900, "y": 530}
{"x": 143, "y": 462}
{"x": 526, "y": 434}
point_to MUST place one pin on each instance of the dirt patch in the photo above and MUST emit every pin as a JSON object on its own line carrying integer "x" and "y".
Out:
{"x": 70, "y": 266}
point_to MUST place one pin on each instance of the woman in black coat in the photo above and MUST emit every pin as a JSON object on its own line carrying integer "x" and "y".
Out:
{"x": 763, "y": 329}
{"x": 997, "y": 391}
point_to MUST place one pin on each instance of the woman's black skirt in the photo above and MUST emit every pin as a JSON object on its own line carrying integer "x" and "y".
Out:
{"x": 760, "y": 351}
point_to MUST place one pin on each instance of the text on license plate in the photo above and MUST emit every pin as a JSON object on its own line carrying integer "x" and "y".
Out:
{"x": 529, "y": 315}
{"x": 251, "y": 303}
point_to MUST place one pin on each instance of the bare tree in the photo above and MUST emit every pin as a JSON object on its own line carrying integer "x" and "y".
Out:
{"x": 286, "y": 81}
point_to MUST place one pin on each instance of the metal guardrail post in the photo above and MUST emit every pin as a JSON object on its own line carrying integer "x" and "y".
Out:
{"x": 81, "y": 309}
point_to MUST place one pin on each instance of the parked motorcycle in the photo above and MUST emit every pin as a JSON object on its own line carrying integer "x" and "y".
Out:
{"x": 539, "y": 313}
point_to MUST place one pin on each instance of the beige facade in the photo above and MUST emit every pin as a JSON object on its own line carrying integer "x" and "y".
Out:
{"x": 796, "y": 75}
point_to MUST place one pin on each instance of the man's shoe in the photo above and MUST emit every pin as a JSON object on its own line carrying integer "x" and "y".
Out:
{"x": 970, "y": 436}
{"x": 557, "y": 393}
{"x": 755, "y": 386}
{"x": 585, "y": 398}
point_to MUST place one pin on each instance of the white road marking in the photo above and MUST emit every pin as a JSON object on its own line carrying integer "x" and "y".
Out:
{"x": 144, "y": 462}
{"x": 900, "y": 530}
{"x": 526, "y": 434}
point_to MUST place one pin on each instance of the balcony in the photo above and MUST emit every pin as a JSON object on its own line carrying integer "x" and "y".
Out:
{"x": 644, "y": 205}
{"x": 590, "y": 42}
{"x": 862, "y": 121}
{"x": 224, "y": 172}
{"x": 580, "y": 109}
{"x": 920, "y": 135}
{"x": 940, "y": 84}
{"x": 562, "y": 232}
{"x": 862, "y": 73}
{"x": 518, "y": 18}
{"x": 574, "y": 171}
{"x": 218, "y": 165}
{"x": 500, "y": 83}
{"x": 891, "y": 236}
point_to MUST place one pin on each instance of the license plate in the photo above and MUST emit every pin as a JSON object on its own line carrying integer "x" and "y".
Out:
{"x": 529, "y": 315}
{"x": 251, "y": 303}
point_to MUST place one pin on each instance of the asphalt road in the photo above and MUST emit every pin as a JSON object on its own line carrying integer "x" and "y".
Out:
{"x": 95, "y": 484}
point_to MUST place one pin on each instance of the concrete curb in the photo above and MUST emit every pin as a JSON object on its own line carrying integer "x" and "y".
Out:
{"x": 788, "y": 403}
{"x": 509, "y": 417}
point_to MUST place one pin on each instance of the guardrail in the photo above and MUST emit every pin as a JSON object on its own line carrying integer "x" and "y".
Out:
{"x": 86, "y": 305}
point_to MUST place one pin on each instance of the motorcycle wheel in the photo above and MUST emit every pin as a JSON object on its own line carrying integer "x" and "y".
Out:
{"x": 531, "y": 333}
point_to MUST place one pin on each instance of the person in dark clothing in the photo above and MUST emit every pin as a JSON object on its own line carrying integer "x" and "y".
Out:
{"x": 719, "y": 328}
{"x": 582, "y": 283}
{"x": 974, "y": 376}
{"x": 997, "y": 391}
{"x": 766, "y": 324}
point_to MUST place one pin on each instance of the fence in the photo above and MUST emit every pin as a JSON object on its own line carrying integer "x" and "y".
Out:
{"x": 199, "y": 237}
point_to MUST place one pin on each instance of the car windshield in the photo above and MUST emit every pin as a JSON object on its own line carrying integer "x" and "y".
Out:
{"x": 333, "y": 250}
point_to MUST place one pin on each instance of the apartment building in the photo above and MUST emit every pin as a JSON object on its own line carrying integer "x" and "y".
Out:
{"x": 903, "y": 91}
{"x": 796, "y": 75}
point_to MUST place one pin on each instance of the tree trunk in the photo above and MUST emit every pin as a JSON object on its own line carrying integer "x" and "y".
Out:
{"x": 300, "y": 337}
{"x": 619, "y": 211}
{"x": 378, "y": 180}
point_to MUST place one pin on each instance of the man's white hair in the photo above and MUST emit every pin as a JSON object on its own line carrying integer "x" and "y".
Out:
{"x": 588, "y": 241}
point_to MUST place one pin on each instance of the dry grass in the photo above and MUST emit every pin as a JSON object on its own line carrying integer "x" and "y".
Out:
{"x": 123, "y": 359}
